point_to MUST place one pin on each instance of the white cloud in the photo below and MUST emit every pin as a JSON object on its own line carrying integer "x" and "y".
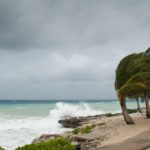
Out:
{"x": 57, "y": 68}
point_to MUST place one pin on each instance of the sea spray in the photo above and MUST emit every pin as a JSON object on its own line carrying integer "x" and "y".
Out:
{"x": 64, "y": 110}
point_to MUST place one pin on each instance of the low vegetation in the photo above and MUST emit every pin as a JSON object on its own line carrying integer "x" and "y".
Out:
{"x": 86, "y": 129}
{"x": 54, "y": 144}
{"x": 1, "y": 148}
{"x": 110, "y": 115}
{"x": 130, "y": 111}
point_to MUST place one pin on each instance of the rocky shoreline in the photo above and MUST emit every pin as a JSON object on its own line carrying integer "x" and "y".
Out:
{"x": 81, "y": 141}
{"x": 74, "y": 122}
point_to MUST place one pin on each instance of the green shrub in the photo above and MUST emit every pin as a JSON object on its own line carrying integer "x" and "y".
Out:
{"x": 110, "y": 114}
{"x": 2, "y": 148}
{"x": 54, "y": 144}
{"x": 87, "y": 129}
{"x": 130, "y": 111}
{"x": 84, "y": 130}
{"x": 76, "y": 131}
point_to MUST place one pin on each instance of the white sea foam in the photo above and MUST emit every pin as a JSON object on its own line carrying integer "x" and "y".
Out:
{"x": 63, "y": 110}
{"x": 20, "y": 108}
{"x": 17, "y": 131}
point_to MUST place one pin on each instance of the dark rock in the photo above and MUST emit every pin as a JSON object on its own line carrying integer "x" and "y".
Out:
{"x": 75, "y": 122}
{"x": 70, "y": 123}
{"x": 82, "y": 138}
{"x": 77, "y": 145}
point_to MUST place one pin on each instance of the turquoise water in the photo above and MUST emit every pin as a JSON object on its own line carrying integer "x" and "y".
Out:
{"x": 42, "y": 108}
{"x": 22, "y": 121}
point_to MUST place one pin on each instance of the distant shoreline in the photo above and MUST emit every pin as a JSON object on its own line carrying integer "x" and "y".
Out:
{"x": 53, "y": 101}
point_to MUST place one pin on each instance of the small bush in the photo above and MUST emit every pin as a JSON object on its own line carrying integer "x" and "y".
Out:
{"x": 84, "y": 130}
{"x": 87, "y": 129}
{"x": 2, "y": 148}
{"x": 109, "y": 115}
{"x": 130, "y": 111}
{"x": 54, "y": 144}
{"x": 76, "y": 131}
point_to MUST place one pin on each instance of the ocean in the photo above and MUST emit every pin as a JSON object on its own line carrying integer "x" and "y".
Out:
{"x": 23, "y": 120}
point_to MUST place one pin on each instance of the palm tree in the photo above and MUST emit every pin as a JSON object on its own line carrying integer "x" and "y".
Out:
{"x": 127, "y": 68}
{"x": 143, "y": 79}
{"x": 123, "y": 73}
{"x": 127, "y": 118}
{"x": 132, "y": 90}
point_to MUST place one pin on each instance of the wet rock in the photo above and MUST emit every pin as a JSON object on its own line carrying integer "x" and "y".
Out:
{"x": 77, "y": 145}
{"x": 82, "y": 138}
{"x": 73, "y": 122}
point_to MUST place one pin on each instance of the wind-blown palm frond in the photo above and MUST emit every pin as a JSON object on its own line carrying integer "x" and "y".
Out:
{"x": 132, "y": 90}
{"x": 125, "y": 69}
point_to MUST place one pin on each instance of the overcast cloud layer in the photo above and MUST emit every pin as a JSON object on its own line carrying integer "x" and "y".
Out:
{"x": 67, "y": 49}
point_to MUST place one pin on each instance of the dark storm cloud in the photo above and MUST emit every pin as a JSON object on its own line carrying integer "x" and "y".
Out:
{"x": 67, "y": 48}
{"x": 48, "y": 24}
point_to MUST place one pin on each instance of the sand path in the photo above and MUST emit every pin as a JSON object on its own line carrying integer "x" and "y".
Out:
{"x": 138, "y": 142}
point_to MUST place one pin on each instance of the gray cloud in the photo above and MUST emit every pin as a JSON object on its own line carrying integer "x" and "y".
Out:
{"x": 67, "y": 48}
{"x": 48, "y": 24}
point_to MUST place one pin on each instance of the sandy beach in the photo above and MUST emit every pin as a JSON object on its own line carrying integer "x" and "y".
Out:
{"x": 117, "y": 131}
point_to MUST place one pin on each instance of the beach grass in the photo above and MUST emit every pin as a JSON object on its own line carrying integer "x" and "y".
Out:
{"x": 86, "y": 129}
{"x": 53, "y": 144}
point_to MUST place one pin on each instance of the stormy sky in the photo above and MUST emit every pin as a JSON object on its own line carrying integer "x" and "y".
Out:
{"x": 68, "y": 49}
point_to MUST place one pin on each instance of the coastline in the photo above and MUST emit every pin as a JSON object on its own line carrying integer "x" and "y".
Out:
{"x": 103, "y": 131}
{"x": 107, "y": 130}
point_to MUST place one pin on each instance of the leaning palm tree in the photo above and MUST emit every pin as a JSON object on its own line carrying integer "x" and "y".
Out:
{"x": 143, "y": 79}
{"x": 124, "y": 72}
{"x": 132, "y": 90}
{"x": 127, "y": 118}
{"x": 127, "y": 68}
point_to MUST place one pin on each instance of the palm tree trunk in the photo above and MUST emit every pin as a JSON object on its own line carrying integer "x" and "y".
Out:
{"x": 147, "y": 106}
{"x": 127, "y": 118}
{"x": 138, "y": 105}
